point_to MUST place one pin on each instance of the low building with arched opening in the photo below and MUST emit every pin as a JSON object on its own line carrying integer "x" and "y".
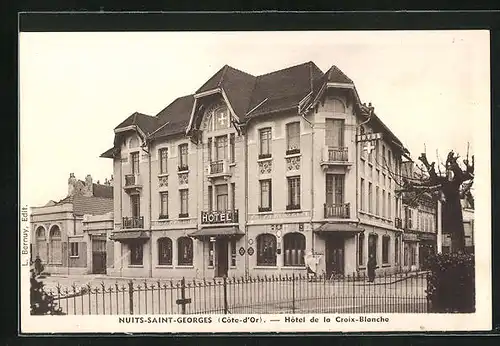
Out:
{"x": 61, "y": 231}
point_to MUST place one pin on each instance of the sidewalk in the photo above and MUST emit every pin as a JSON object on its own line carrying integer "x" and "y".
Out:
{"x": 382, "y": 280}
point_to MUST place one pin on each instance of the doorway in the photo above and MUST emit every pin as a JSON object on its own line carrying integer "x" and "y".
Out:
{"x": 221, "y": 250}
{"x": 334, "y": 250}
{"x": 98, "y": 256}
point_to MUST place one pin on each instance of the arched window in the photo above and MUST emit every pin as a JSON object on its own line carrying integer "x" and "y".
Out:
{"x": 294, "y": 246}
{"x": 41, "y": 244}
{"x": 55, "y": 251}
{"x": 218, "y": 117}
{"x": 134, "y": 142}
{"x": 338, "y": 106}
{"x": 185, "y": 251}
{"x": 266, "y": 250}
{"x": 165, "y": 251}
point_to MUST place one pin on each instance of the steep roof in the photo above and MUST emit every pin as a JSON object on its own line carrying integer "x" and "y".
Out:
{"x": 174, "y": 118}
{"x": 104, "y": 191}
{"x": 88, "y": 205}
{"x": 145, "y": 122}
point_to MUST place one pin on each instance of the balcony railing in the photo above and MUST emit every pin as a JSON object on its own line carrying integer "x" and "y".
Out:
{"x": 132, "y": 180}
{"x": 398, "y": 223}
{"x": 226, "y": 216}
{"x": 340, "y": 211}
{"x": 220, "y": 167}
{"x": 133, "y": 222}
{"x": 335, "y": 156}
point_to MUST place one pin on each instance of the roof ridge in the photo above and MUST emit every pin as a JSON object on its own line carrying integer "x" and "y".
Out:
{"x": 224, "y": 69}
{"x": 284, "y": 69}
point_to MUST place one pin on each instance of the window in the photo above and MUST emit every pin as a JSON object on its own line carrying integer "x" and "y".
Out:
{"x": 265, "y": 143}
{"x": 389, "y": 206}
{"x": 293, "y": 193}
{"x": 220, "y": 148}
{"x": 232, "y": 147}
{"x": 362, "y": 192}
{"x": 385, "y": 249}
{"x": 134, "y": 158}
{"x": 184, "y": 203}
{"x": 396, "y": 250}
{"x": 370, "y": 198}
{"x": 165, "y": 251}
{"x": 41, "y": 244}
{"x": 183, "y": 157}
{"x": 163, "y": 155}
{"x": 293, "y": 138}
{"x": 389, "y": 156}
{"x": 377, "y": 200}
{"x": 266, "y": 250}
{"x": 210, "y": 198}
{"x": 383, "y": 204}
{"x": 334, "y": 189}
{"x": 211, "y": 251}
{"x": 265, "y": 195}
{"x": 372, "y": 245}
{"x": 185, "y": 251}
{"x": 361, "y": 247}
{"x": 221, "y": 117}
{"x": 210, "y": 149}
{"x": 135, "y": 203}
{"x": 384, "y": 181}
{"x": 383, "y": 155}
{"x": 73, "y": 249}
{"x": 221, "y": 196}
{"x": 294, "y": 246}
{"x": 55, "y": 250}
{"x": 233, "y": 196}
{"x": 164, "y": 205}
{"x": 136, "y": 253}
{"x": 233, "y": 252}
{"x": 334, "y": 133}
{"x": 408, "y": 217}
{"x": 378, "y": 176}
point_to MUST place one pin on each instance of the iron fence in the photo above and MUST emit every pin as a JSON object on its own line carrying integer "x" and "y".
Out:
{"x": 389, "y": 293}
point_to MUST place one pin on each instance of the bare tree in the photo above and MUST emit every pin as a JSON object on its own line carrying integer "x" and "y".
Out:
{"x": 450, "y": 186}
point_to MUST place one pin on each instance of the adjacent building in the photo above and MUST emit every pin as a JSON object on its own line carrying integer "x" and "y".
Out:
{"x": 468, "y": 218}
{"x": 249, "y": 174}
{"x": 61, "y": 235}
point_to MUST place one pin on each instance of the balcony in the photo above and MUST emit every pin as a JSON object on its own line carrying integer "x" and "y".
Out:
{"x": 398, "y": 223}
{"x": 335, "y": 156}
{"x": 337, "y": 211}
{"x": 218, "y": 217}
{"x": 134, "y": 222}
{"x": 219, "y": 168}
{"x": 132, "y": 182}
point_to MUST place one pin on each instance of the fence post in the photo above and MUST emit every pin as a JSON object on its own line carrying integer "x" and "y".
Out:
{"x": 131, "y": 296}
{"x": 183, "y": 295}
{"x": 293, "y": 292}
{"x": 225, "y": 295}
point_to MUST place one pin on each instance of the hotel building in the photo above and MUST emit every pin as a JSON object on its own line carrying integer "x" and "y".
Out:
{"x": 249, "y": 175}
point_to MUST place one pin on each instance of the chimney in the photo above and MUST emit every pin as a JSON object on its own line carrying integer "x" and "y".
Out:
{"x": 71, "y": 184}
{"x": 88, "y": 190}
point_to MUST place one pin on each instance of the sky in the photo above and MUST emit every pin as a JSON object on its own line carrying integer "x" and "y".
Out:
{"x": 431, "y": 88}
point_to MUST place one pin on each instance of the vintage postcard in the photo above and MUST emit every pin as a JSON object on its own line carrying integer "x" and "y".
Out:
{"x": 180, "y": 182}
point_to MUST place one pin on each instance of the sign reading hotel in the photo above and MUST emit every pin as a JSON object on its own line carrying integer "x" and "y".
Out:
{"x": 228, "y": 216}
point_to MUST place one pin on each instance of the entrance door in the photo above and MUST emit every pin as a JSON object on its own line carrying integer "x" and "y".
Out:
{"x": 222, "y": 257}
{"x": 98, "y": 256}
{"x": 334, "y": 255}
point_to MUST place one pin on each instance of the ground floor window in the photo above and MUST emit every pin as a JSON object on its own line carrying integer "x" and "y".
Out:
{"x": 185, "y": 251}
{"x": 136, "y": 253}
{"x": 55, "y": 249}
{"x": 165, "y": 251}
{"x": 372, "y": 245}
{"x": 396, "y": 250}
{"x": 211, "y": 253}
{"x": 410, "y": 253}
{"x": 73, "y": 250}
{"x": 385, "y": 249}
{"x": 361, "y": 246}
{"x": 266, "y": 250}
{"x": 233, "y": 252}
{"x": 294, "y": 248}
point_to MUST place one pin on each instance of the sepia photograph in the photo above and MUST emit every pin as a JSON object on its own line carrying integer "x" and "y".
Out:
{"x": 255, "y": 181}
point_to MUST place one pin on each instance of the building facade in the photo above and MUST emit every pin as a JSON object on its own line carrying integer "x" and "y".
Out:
{"x": 59, "y": 237}
{"x": 468, "y": 218}
{"x": 253, "y": 174}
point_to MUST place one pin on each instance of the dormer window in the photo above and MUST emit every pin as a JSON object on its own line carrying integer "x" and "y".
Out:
{"x": 219, "y": 118}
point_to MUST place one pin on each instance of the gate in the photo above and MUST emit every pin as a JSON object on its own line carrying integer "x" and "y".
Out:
{"x": 98, "y": 256}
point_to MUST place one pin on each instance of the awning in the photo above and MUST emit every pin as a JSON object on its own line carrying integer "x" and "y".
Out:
{"x": 217, "y": 232}
{"x": 338, "y": 228}
{"x": 124, "y": 236}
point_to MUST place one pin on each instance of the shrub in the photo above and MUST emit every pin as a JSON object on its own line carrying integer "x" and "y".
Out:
{"x": 451, "y": 284}
{"x": 41, "y": 303}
